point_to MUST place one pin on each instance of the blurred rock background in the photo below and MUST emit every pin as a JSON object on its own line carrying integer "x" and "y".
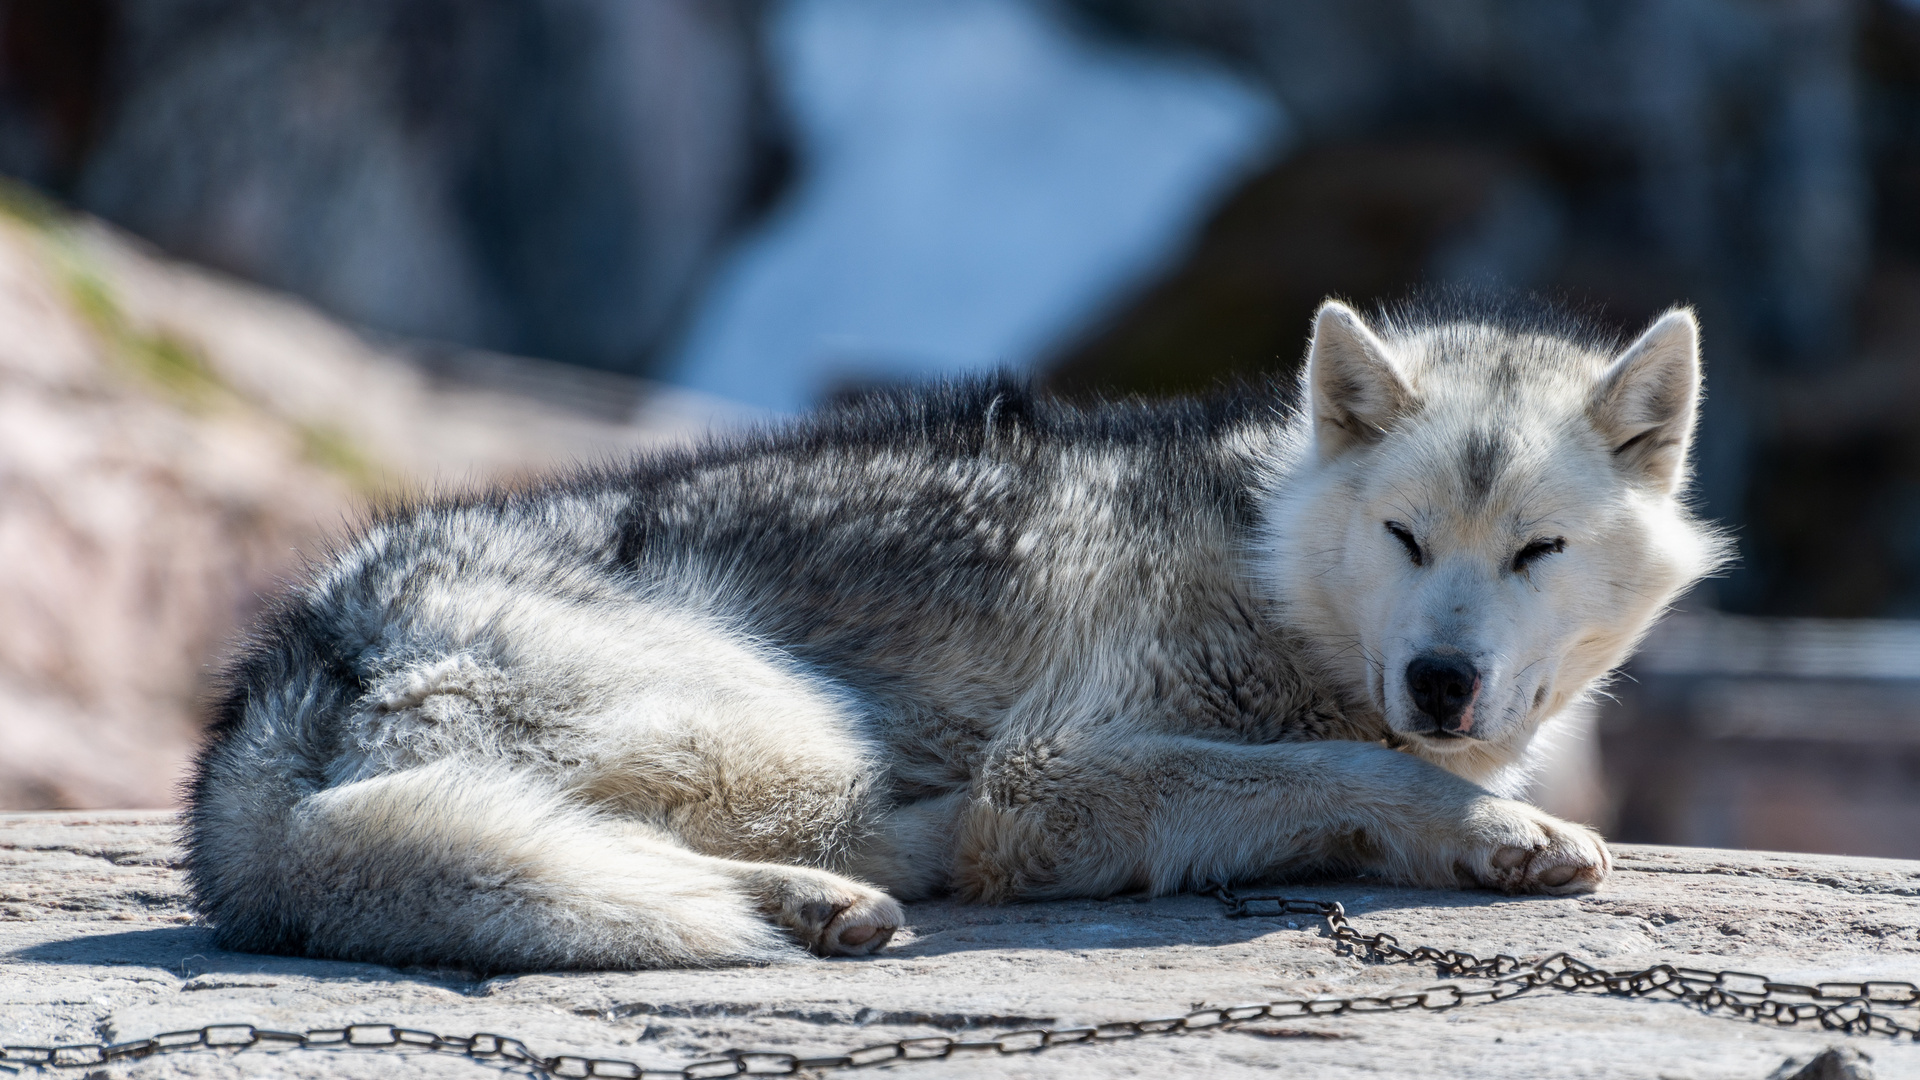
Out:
{"x": 172, "y": 441}
{"x": 779, "y": 200}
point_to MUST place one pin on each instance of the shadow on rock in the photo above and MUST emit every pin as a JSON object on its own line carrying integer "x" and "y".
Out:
{"x": 1139, "y": 921}
{"x": 189, "y": 953}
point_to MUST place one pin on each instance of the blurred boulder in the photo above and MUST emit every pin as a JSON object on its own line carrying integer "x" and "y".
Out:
{"x": 171, "y": 443}
{"x": 1355, "y": 219}
{"x": 548, "y": 177}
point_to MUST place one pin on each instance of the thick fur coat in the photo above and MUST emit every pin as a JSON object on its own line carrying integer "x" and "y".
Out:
{"x": 729, "y": 702}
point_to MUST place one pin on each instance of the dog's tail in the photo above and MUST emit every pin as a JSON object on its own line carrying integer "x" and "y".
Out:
{"x": 450, "y": 864}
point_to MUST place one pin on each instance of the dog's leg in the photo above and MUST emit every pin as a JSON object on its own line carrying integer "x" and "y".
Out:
{"x": 459, "y": 864}
{"x": 702, "y": 760}
{"x": 1070, "y": 816}
{"x": 908, "y": 851}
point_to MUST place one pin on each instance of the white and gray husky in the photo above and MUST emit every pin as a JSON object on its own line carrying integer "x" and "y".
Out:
{"x": 736, "y": 700}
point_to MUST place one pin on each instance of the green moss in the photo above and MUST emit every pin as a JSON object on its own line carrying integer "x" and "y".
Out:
{"x": 165, "y": 360}
{"x": 92, "y": 299}
{"x": 331, "y": 449}
{"x": 168, "y": 362}
{"x": 178, "y": 366}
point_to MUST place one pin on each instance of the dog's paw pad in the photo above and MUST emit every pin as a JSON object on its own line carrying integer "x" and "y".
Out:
{"x": 1555, "y": 876}
{"x": 863, "y": 929}
{"x": 1574, "y": 860}
{"x": 856, "y": 936}
{"x": 1511, "y": 858}
{"x": 1579, "y": 876}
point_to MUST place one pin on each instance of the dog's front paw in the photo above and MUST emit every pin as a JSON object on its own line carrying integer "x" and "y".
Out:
{"x": 831, "y": 915}
{"x": 1514, "y": 847}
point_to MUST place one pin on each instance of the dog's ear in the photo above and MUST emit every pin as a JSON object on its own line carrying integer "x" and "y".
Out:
{"x": 1354, "y": 388}
{"x": 1645, "y": 403}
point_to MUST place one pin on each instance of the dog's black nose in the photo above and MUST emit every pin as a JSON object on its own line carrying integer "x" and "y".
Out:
{"x": 1444, "y": 687}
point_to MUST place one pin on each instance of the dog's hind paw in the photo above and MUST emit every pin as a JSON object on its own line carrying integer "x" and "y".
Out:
{"x": 829, "y": 914}
{"x": 1523, "y": 850}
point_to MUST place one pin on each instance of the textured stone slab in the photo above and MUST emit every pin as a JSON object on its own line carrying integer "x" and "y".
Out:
{"x": 96, "y": 944}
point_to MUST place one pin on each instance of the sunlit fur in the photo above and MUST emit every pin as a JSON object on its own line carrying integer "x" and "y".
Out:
{"x": 728, "y": 704}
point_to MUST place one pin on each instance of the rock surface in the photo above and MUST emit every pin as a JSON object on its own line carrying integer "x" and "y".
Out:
{"x": 97, "y": 944}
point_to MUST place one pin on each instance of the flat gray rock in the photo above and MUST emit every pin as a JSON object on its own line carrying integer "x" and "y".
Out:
{"x": 96, "y": 944}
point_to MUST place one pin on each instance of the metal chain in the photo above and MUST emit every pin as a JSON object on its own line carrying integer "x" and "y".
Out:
{"x": 1855, "y": 1008}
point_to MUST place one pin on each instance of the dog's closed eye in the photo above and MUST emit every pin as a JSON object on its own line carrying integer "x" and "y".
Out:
{"x": 1405, "y": 536}
{"x": 1537, "y": 550}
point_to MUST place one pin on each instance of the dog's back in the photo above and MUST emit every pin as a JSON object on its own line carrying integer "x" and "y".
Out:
{"x": 762, "y": 651}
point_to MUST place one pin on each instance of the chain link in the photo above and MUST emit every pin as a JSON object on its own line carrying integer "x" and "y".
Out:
{"x": 1855, "y": 1008}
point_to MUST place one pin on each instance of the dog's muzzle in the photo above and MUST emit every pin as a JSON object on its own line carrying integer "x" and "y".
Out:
{"x": 1444, "y": 689}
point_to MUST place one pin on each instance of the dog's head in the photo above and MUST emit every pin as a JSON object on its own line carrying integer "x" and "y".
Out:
{"x": 1486, "y": 520}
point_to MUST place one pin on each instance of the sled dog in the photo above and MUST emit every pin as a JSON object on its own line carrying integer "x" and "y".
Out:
{"x": 727, "y": 703}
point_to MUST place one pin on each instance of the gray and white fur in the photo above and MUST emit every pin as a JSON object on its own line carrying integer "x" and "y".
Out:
{"x": 726, "y": 703}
